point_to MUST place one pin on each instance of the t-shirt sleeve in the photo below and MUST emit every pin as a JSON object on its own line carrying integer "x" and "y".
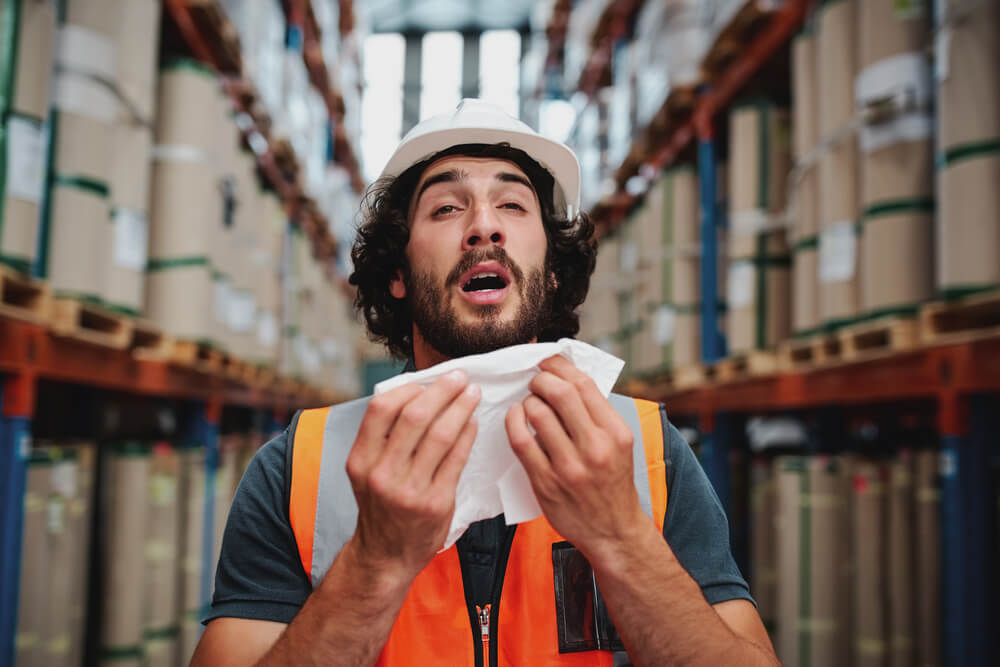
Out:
{"x": 259, "y": 575}
{"x": 696, "y": 527}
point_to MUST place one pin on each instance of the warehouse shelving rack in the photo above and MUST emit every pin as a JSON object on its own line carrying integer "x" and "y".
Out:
{"x": 957, "y": 376}
{"x": 31, "y": 353}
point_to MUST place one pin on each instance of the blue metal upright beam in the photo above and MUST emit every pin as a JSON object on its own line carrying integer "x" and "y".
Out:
{"x": 968, "y": 572}
{"x": 715, "y": 446}
{"x": 15, "y": 437}
{"x": 712, "y": 343}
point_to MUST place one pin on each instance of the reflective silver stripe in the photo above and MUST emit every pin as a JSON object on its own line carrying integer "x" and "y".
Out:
{"x": 626, "y": 407}
{"x": 337, "y": 510}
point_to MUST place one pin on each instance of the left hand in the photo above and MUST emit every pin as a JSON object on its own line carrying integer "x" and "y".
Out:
{"x": 580, "y": 460}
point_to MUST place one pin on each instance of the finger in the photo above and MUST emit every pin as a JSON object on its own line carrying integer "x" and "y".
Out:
{"x": 380, "y": 415}
{"x": 565, "y": 400}
{"x": 450, "y": 469}
{"x": 549, "y": 433}
{"x": 416, "y": 417}
{"x": 596, "y": 403}
{"x": 441, "y": 436}
{"x": 525, "y": 445}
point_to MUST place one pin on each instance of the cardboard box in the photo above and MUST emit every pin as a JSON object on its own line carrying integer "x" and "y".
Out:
{"x": 968, "y": 232}
{"x": 160, "y": 617}
{"x": 190, "y": 565}
{"x": 887, "y": 28}
{"x": 927, "y": 502}
{"x": 32, "y": 610}
{"x": 900, "y": 567}
{"x": 758, "y": 292}
{"x": 79, "y": 237}
{"x": 805, "y": 102}
{"x": 763, "y": 542}
{"x": 126, "y": 489}
{"x": 868, "y": 508}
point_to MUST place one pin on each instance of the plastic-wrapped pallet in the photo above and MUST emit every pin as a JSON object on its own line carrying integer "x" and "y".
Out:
{"x": 125, "y": 492}
{"x": 839, "y": 265}
{"x": 136, "y": 50}
{"x": 868, "y": 505}
{"x": 804, "y": 223}
{"x": 186, "y": 204}
{"x": 24, "y": 100}
{"x": 968, "y": 93}
{"x": 671, "y": 263}
{"x": 190, "y": 565}
{"x": 812, "y": 531}
{"x": 160, "y": 600}
{"x": 82, "y": 134}
{"x": 758, "y": 290}
{"x": 927, "y": 501}
{"x": 894, "y": 89}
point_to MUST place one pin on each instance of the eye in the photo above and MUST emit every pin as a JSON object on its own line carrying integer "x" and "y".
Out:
{"x": 444, "y": 210}
{"x": 514, "y": 206}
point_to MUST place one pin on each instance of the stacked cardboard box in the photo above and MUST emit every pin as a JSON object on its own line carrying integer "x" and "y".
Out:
{"x": 187, "y": 205}
{"x": 54, "y": 562}
{"x": 803, "y": 188}
{"x": 670, "y": 265}
{"x": 894, "y": 91}
{"x": 599, "y": 322}
{"x": 125, "y": 492}
{"x": 191, "y": 492}
{"x": 85, "y": 110}
{"x": 968, "y": 147}
{"x": 839, "y": 265}
{"x": 24, "y": 103}
{"x": 160, "y": 619}
{"x": 136, "y": 49}
{"x": 758, "y": 291}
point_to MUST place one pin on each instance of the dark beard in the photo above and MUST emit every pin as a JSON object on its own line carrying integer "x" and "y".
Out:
{"x": 438, "y": 322}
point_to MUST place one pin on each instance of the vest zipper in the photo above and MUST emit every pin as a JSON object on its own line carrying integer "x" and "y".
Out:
{"x": 484, "y": 630}
{"x": 494, "y": 606}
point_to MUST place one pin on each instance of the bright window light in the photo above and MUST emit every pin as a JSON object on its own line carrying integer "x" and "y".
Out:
{"x": 500, "y": 69}
{"x": 441, "y": 73}
{"x": 382, "y": 101}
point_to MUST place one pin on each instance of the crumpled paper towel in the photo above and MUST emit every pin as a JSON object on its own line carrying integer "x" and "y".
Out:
{"x": 494, "y": 481}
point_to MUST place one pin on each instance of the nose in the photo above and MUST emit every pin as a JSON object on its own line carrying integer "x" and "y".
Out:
{"x": 484, "y": 229}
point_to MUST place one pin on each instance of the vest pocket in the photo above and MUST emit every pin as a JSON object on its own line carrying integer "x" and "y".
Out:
{"x": 582, "y": 617}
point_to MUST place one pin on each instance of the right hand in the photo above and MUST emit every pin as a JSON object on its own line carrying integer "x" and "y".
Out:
{"x": 404, "y": 468}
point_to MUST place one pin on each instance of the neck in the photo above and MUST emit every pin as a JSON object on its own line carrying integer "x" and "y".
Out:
{"x": 425, "y": 356}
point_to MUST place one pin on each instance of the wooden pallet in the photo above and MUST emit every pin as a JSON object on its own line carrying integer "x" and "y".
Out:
{"x": 89, "y": 323}
{"x": 23, "y": 298}
{"x": 801, "y": 354}
{"x": 746, "y": 365}
{"x": 883, "y": 336}
{"x": 975, "y": 316}
{"x": 731, "y": 40}
{"x": 149, "y": 343}
{"x": 197, "y": 354}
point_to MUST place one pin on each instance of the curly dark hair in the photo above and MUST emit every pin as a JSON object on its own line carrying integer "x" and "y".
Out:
{"x": 380, "y": 250}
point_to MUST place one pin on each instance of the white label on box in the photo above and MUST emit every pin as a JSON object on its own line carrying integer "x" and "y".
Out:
{"x": 629, "y": 257}
{"x": 740, "y": 284}
{"x": 267, "y": 330}
{"x": 242, "y": 310}
{"x": 664, "y": 320}
{"x": 330, "y": 348}
{"x": 131, "y": 239}
{"x": 838, "y": 249}
{"x": 63, "y": 478}
{"x": 86, "y": 51}
{"x": 222, "y": 296}
{"x": 25, "y": 159}
{"x": 942, "y": 53}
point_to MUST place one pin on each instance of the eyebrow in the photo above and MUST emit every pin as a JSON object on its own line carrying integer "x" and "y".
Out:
{"x": 456, "y": 176}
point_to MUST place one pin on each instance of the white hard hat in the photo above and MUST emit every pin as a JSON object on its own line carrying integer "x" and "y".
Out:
{"x": 478, "y": 122}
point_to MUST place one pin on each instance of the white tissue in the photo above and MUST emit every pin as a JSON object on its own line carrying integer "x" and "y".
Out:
{"x": 494, "y": 481}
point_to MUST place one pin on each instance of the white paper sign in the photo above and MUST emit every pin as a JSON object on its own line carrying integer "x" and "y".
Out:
{"x": 663, "y": 325}
{"x": 740, "y": 284}
{"x": 838, "y": 249}
{"x": 222, "y": 297}
{"x": 25, "y": 160}
{"x": 242, "y": 310}
{"x": 267, "y": 329}
{"x": 494, "y": 481}
{"x": 131, "y": 239}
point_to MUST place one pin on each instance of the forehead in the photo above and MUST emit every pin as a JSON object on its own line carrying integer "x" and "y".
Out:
{"x": 475, "y": 167}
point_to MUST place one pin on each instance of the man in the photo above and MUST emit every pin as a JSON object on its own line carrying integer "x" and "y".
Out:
{"x": 473, "y": 241}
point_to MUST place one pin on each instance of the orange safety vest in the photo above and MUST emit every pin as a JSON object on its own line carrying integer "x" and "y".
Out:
{"x": 435, "y": 625}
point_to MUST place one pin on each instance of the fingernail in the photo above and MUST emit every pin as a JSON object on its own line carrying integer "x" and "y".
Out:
{"x": 472, "y": 391}
{"x": 456, "y": 376}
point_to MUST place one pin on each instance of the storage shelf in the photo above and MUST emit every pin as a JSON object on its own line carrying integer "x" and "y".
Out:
{"x": 959, "y": 369}
{"x": 32, "y": 351}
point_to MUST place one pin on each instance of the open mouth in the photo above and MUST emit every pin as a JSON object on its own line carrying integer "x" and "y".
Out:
{"x": 486, "y": 283}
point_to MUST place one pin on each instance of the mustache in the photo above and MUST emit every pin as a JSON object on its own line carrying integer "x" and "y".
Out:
{"x": 479, "y": 255}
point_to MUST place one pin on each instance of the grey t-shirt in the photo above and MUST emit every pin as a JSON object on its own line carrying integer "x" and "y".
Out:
{"x": 260, "y": 575}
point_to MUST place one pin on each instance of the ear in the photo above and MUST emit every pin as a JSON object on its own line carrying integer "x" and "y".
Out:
{"x": 553, "y": 281}
{"x": 396, "y": 286}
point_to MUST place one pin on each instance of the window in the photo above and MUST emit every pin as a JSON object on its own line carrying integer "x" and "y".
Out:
{"x": 500, "y": 69}
{"x": 382, "y": 101}
{"x": 440, "y": 73}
